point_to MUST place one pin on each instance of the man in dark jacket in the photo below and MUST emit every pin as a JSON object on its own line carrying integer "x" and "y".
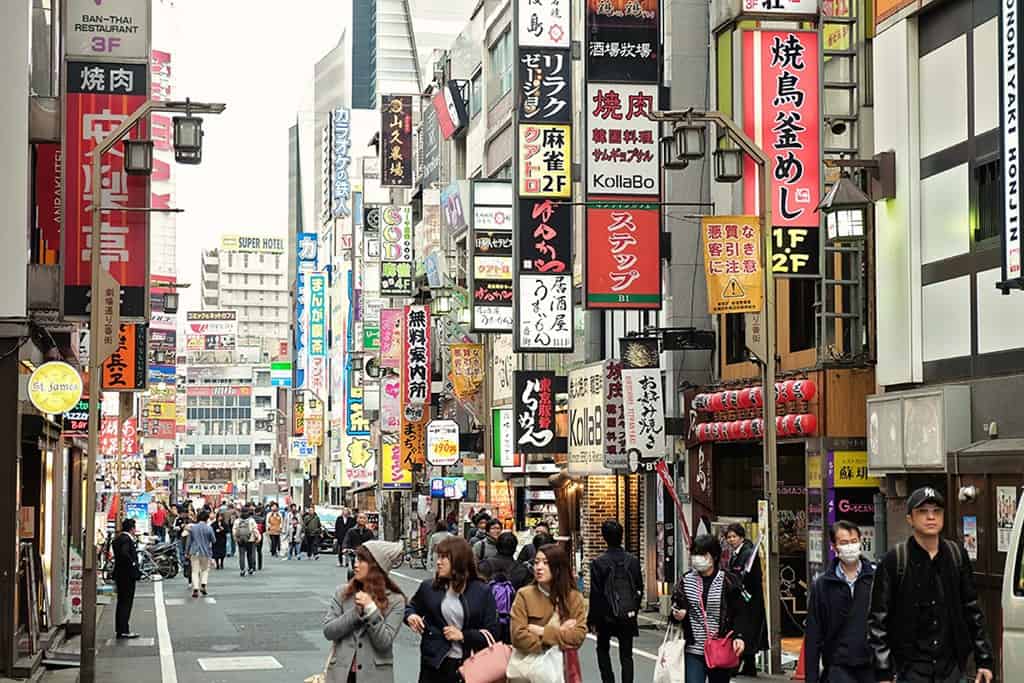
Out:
{"x": 529, "y": 550}
{"x": 616, "y": 586}
{"x": 126, "y": 574}
{"x": 342, "y": 525}
{"x": 504, "y": 565}
{"x": 925, "y": 621}
{"x": 745, "y": 564}
{"x": 311, "y": 529}
{"x": 837, "y": 613}
{"x": 358, "y": 535}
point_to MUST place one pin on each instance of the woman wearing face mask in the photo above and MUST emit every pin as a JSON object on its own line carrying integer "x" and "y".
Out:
{"x": 709, "y": 602}
{"x": 743, "y": 554}
{"x": 450, "y": 612}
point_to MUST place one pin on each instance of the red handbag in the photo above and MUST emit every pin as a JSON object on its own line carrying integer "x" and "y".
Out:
{"x": 718, "y": 651}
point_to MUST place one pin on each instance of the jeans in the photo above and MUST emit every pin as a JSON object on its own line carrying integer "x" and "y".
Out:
{"x": 697, "y": 671}
{"x": 200, "y": 572}
{"x": 295, "y": 550}
{"x": 125, "y": 600}
{"x": 231, "y": 545}
{"x": 604, "y": 659}
{"x": 246, "y": 554}
{"x": 275, "y": 544}
{"x": 160, "y": 533}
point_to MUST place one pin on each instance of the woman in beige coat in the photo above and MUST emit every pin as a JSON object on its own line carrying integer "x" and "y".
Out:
{"x": 364, "y": 619}
{"x": 553, "y": 592}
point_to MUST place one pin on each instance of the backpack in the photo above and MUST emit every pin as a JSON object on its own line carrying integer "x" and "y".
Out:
{"x": 620, "y": 593}
{"x": 902, "y": 559}
{"x": 245, "y": 529}
{"x": 504, "y": 593}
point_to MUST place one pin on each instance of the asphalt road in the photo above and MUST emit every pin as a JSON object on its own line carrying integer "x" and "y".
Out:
{"x": 263, "y": 628}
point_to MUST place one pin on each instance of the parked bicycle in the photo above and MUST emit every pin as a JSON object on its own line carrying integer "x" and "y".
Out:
{"x": 416, "y": 557}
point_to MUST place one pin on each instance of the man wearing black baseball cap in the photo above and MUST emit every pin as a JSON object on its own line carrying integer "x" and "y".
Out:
{"x": 925, "y": 620}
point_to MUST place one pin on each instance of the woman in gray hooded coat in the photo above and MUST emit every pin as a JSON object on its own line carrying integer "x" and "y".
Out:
{"x": 364, "y": 618}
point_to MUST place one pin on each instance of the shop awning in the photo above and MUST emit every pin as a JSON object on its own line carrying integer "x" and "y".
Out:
{"x": 992, "y": 456}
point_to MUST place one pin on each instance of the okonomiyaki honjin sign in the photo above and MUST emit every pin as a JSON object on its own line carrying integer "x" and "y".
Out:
{"x": 416, "y": 369}
{"x": 534, "y": 404}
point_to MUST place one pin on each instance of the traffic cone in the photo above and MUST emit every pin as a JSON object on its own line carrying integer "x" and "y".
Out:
{"x": 799, "y": 674}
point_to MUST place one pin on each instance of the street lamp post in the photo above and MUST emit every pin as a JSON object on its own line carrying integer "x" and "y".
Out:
{"x": 88, "y": 652}
{"x": 687, "y": 139}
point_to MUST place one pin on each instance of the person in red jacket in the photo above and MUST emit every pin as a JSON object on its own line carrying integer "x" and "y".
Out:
{"x": 159, "y": 522}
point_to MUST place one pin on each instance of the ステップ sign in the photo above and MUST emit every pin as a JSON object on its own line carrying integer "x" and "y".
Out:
{"x": 623, "y": 268}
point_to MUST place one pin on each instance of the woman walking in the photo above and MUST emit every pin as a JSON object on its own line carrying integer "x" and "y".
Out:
{"x": 364, "y": 618}
{"x": 449, "y": 612}
{"x": 200, "y": 551}
{"x": 709, "y": 603}
{"x": 550, "y": 612}
{"x": 220, "y": 542}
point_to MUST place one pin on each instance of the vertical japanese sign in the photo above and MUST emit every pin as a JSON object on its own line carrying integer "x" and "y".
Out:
{"x": 317, "y": 372}
{"x": 99, "y": 97}
{"x": 491, "y": 271}
{"x": 391, "y": 405}
{"x": 586, "y": 420}
{"x": 534, "y": 405}
{"x": 396, "y": 141}
{"x": 305, "y": 261}
{"x": 391, "y": 323}
{"x": 396, "y": 250}
{"x": 614, "y": 418}
{"x": 503, "y": 445}
{"x": 1011, "y": 41}
{"x": 416, "y": 362}
{"x": 125, "y": 368}
{"x": 341, "y": 144}
{"x": 622, "y": 140}
{"x": 644, "y": 414}
{"x": 623, "y": 267}
{"x": 781, "y": 113}
{"x": 397, "y": 474}
{"x": 543, "y": 116}
{"x": 732, "y": 263}
{"x": 413, "y": 441}
{"x": 467, "y": 370}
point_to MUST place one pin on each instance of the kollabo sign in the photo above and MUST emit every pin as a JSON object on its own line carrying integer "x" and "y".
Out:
{"x": 586, "y": 420}
{"x": 442, "y": 443}
{"x": 55, "y": 388}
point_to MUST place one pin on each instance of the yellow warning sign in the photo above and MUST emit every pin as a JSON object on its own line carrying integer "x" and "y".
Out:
{"x": 732, "y": 263}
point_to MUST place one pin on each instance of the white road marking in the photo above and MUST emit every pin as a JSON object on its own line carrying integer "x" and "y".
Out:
{"x": 168, "y": 673}
{"x": 614, "y": 643}
{"x": 174, "y": 602}
{"x": 239, "y": 663}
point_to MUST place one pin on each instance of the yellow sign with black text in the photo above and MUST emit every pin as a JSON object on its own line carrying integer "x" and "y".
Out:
{"x": 732, "y": 263}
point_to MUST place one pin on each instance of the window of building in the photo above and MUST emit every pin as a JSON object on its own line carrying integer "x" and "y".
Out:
{"x": 801, "y": 314}
{"x": 988, "y": 178}
{"x": 503, "y": 173}
{"x": 735, "y": 338}
{"x": 263, "y": 379}
{"x": 501, "y": 66}
{"x": 476, "y": 93}
{"x": 263, "y": 401}
{"x": 262, "y": 258}
{"x": 231, "y": 259}
{"x": 245, "y": 260}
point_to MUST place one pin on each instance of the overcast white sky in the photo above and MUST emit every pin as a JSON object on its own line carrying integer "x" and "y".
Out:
{"x": 257, "y": 56}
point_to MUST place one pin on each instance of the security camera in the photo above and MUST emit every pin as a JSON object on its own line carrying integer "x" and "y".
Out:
{"x": 968, "y": 494}
{"x": 837, "y": 126}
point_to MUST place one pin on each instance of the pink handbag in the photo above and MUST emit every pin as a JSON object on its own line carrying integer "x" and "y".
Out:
{"x": 487, "y": 665}
{"x": 718, "y": 652}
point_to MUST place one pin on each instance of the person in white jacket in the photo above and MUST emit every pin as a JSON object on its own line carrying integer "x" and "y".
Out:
{"x": 293, "y": 537}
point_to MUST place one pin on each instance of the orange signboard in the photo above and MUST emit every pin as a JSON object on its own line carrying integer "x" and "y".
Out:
{"x": 125, "y": 368}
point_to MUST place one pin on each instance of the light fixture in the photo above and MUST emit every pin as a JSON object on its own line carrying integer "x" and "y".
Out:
{"x": 464, "y": 316}
{"x": 668, "y": 155}
{"x": 188, "y": 139}
{"x": 689, "y": 139}
{"x": 442, "y": 304}
{"x": 138, "y": 157}
{"x": 728, "y": 165}
{"x": 844, "y": 207}
{"x": 170, "y": 302}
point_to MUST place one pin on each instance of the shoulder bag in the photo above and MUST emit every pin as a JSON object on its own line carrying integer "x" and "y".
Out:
{"x": 718, "y": 651}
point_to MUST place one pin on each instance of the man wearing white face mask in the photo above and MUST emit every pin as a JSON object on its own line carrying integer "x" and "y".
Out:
{"x": 837, "y": 613}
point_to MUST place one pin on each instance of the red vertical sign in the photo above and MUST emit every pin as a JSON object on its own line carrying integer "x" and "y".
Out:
{"x": 48, "y": 201}
{"x": 100, "y": 95}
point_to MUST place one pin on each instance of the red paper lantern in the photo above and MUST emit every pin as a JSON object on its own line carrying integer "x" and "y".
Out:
{"x": 782, "y": 392}
{"x": 743, "y": 399}
{"x": 756, "y": 396}
{"x": 804, "y": 390}
{"x": 700, "y": 401}
{"x": 804, "y": 424}
{"x": 731, "y": 399}
{"x": 734, "y": 431}
{"x": 780, "y": 426}
{"x": 716, "y": 404}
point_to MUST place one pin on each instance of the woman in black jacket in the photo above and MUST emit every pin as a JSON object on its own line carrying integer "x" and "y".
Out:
{"x": 450, "y": 611}
{"x": 705, "y": 600}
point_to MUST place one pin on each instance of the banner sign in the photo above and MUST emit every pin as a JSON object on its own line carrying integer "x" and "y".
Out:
{"x": 545, "y": 160}
{"x": 396, "y": 250}
{"x": 622, "y": 141}
{"x": 503, "y": 439}
{"x": 732, "y": 263}
{"x": 1011, "y": 113}
{"x": 492, "y": 268}
{"x": 535, "y": 411}
{"x": 442, "y": 443}
{"x": 396, "y": 141}
{"x": 359, "y": 464}
{"x": 391, "y": 322}
{"x": 252, "y": 244}
{"x": 314, "y": 422}
{"x": 614, "y": 417}
{"x": 587, "y": 420}
{"x": 782, "y": 113}
{"x": 450, "y": 109}
{"x": 644, "y": 413}
{"x": 416, "y": 361}
{"x": 125, "y": 368}
{"x": 413, "y": 441}
{"x": 545, "y": 86}
{"x": 316, "y": 371}
{"x": 108, "y": 436}
{"x": 99, "y": 97}
{"x": 467, "y": 370}
{"x": 430, "y": 148}
{"x": 341, "y": 144}
{"x": 48, "y": 189}
{"x": 623, "y": 38}
{"x": 396, "y": 475}
{"x": 501, "y": 367}
{"x": 545, "y": 313}
{"x": 623, "y": 267}
{"x": 391, "y": 405}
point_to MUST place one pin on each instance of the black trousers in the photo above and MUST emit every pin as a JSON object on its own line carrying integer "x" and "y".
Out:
{"x": 604, "y": 658}
{"x": 448, "y": 673}
{"x": 275, "y": 544}
{"x": 258, "y": 546}
{"x": 849, "y": 674}
{"x": 125, "y": 600}
{"x": 312, "y": 545}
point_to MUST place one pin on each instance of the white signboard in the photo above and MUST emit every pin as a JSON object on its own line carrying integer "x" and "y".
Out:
{"x": 492, "y": 217}
{"x": 502, "y": 365}
{"x": 107, "y": 28}
{"x": 1009, "y": 114}
{"x": 544, "y": 23}
{"x": 545, "y": 312}
{"x": 780, "y": 7}
{"x": 300, "y": 449}
{"x": 644, "y": 411}
{"x": 493, "y": 317}
{"x": 505, "y": 455}
{"x": 622, "y": 141}
{"x": 586, "y": 420}
{"x": 442, "y": 443}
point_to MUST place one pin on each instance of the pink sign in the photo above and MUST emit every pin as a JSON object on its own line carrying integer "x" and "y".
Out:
{"x": 391, "y": 337}
{"x": 391, "y": 406}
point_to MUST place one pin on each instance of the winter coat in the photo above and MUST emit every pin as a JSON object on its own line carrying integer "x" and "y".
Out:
{"x": 311, "y": 524}
{"x": 357, "y": 537}
{"x": 478, "y": 608}
{"x": 293, "y": 534}
{"x": 366, "y": 637}
{"x": 274, "y": 523}
{"x": 532, "y": 606}
{"x": 600, "y": 573}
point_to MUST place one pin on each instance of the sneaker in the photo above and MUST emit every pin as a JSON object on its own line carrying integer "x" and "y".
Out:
{"x": 195, "y": 593}
{"x": 242, "y": 573}
{"x": 202, "y": 589}
{"x": 251, "y": 572}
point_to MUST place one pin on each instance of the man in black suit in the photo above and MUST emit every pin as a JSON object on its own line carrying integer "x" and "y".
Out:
{"x": 342, "y": 525}
{"x": 126, "y": 574}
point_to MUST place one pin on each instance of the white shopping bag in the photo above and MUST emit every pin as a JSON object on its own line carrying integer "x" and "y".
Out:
{"x": 671, "y": 664}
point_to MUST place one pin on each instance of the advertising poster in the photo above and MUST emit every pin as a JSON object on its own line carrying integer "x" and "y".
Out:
{"x": 391, "y": 405}
{"x": 1006, "y": 512}
{"x": 534, "y": 405}
{"x": 391, "y": 320}
{"x": 396, "y": 141}
{"x": 396, "y": 476}
{"x": 781, "y": 109}
{"x": 442, "y": 443}
{"x": 416, "y": 361}
{"x": 359, "y": 464}
{"x": 970, "y": 528}
{"x": 623, "y": 37}
{"x": 732, "y": 263}
{"x": 623, "y": 265}
{"x": 587, "y": 420}
{"x": 100, "y": 95}
{"x": 467, "y": 369}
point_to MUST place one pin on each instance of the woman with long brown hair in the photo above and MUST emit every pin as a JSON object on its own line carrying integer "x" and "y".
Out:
{"x": 549, "y": 613}
{"x": 450, "y": 612}
{"x": 364, "y": 618}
